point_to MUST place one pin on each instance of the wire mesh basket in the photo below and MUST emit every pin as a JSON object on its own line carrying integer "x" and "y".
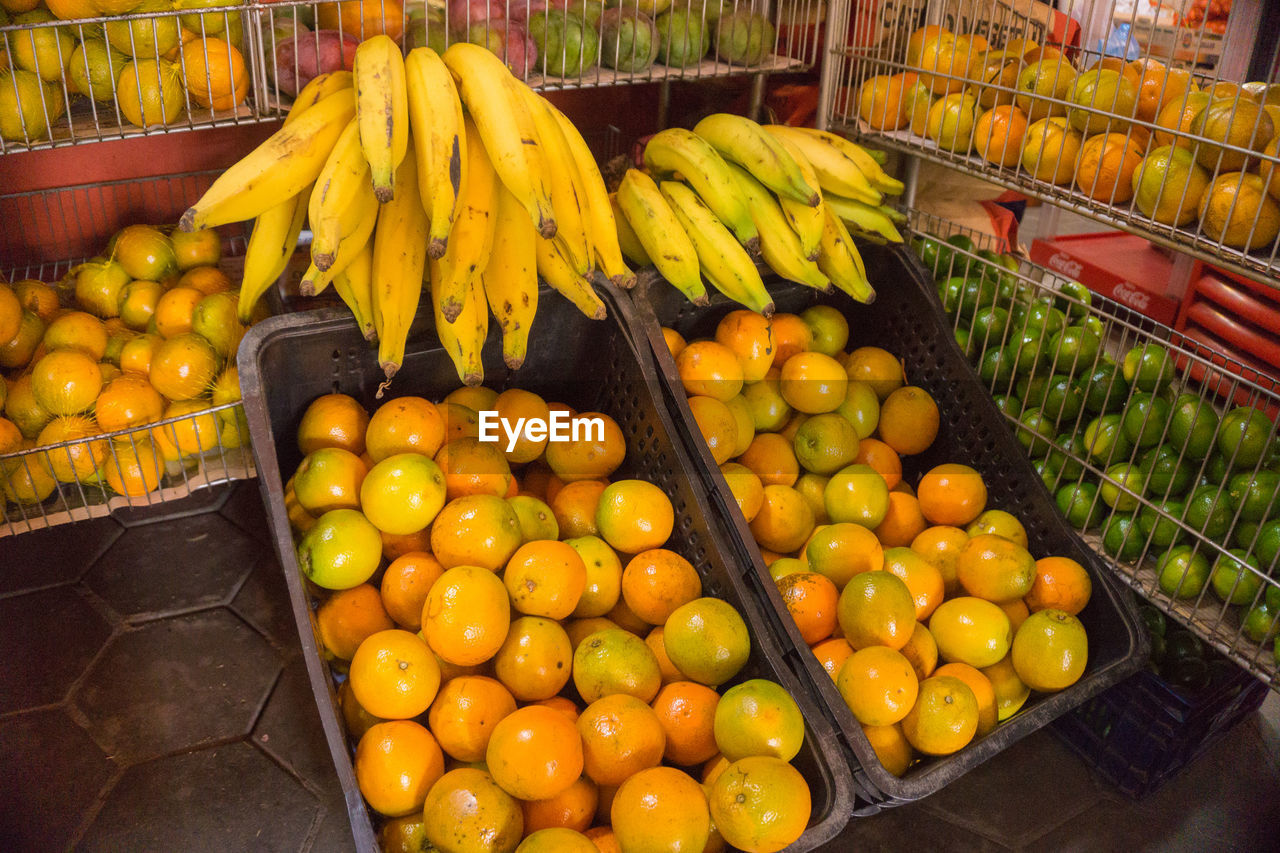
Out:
{"x": 64, "y": 82}
{"x": 1171, "y": 489}
{"x": 90, "y": 475}
{"x": 1092, "y": 105}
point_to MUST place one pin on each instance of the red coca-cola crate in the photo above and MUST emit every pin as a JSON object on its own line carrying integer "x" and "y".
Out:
{"x": 1117, "y": 265}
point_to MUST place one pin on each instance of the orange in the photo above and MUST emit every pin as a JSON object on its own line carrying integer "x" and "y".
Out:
{"x": 348, "y": 617}
{"x": 356, "y": 718}
{"x": 666, "y": 669}
{"x": 890, "y": 747}
{"x": 183, "y": 367}
{"x": 459, "y": 421}
{"x": 579, "y": 629}
{"x": 403, "y": 834}
{"x": 656, "y": 582}
{"x": 534, "y": 659}
{"x": 396, "y": 763}
{"x": 902, "y": 523}
{"x": 622, "y": 616}
{"x": 405, "y": 585}
{"x": 70, "y": 464}
{"x": 466, "y": 616}
{"x": 746, "y": 487}
{"x": 686, "y": 711}
{"x": 744, "y": 420}
{"x": 883, "y": 458}
{"x": 832, "y": 654}
{"x": 1050, "y": 651}
{"x": 133, "y": 467}
{"x": 674, "y": 341}
{"x": 472, "y": 467}
{"x": 998, "y": 134}
{"x": 77, "y": 330}
{"x": 128, "y": 401}
{"x": 1000, "y": 523}
{"x": 948, "y": 58}
{"x": 1105, "y": 167}
{"x": 749, "y": 336}
{"x": 545, "y": 578}
{"x": 363, "y": 18}
{"x": 877, "y": 609}
{"x": 37, "y": 297}
{"x": 17, "y": 353}
{"x": 464, "y": 713}
{"x": 135, "y": 355}
{"x": 660, "y": 808}
{"x": 620, "y": 737}
{"x": 945, "y": 717}
{"x": 812, "y": 487}
{"x": 206, "y": 279}
{"x": 758, "y": 717}
{"x": 534, "y": 753}
{"x": 574, "y": 507}
{"x": 771, "y": 458}
{"x": 513, "y": 405}
{"x": 634, "y": 515}
{"x": 712, "y": 769}
{"x": 476, "y": 530}
{"x": 556, "y": 839}
{"x": 717, "y": 425}
{"x": 791, "y": 335}
{"x": 596, "y": 451}
{"x": 921, "y": 651}
{"x": 915, "y": 43}
{"x": 28, "y": 482}
{"x": 326, "y": 479}
{"x": 810, "y": 599}
{"x": 615, "y": 661}
{"x": 1060, "y": 584}
{"x": 707, "y": 640}
{"x": 466, "y": 809}
{"x": 878, "y": 684}
{"x": 1017, "y": 611}
{"x": 877, "y": 367}
{"x": 175, "y": 309}
{"x": 404, "y": 425}
{"x": 66, "y": 381}
{"x": 994, "y": 568}
{"x": 784, "y": 521}
{"x": 333, "y": 420}
{"x": 1011, "y": 693}
{"x": 394, "y": 675}
{"x": 398, "y": 546}
{"x": 841, "y": 551}
{"x": 970, "y": 630}
{"x": 909, "y": 420}
{"x": 604, "y": 576}
{"x": 951, "y": 494}
{"x": 477, "y": 398}
{"x": 214, "y": 73}
{"x": 857, "y": 493}
{"x": 813, "y": 383}
{"x": 537, "y": 521}
{"x": 1158, "y": 85}
{"x": 573, "y": 808}
{"x": 711, "y": 369}
{"x": 983, "y": 692}
{"x": 760, "y": 804}
{"x": 880, "y": 102}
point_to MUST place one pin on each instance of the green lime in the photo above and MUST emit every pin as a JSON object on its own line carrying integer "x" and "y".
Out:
{"x": 1153, "y": 619}
{"x": 927, "y": 249}
{"x": 1074, "y": 299}
{"x": 1191, "y": 674}
{"x": 1183, "y": 645}
{"x": 976, "y": 293}
{"x": 1079, "y": 505}
{"x": 1245, "y": 533}
{"x": 1063, "y": 400}
{"x": 995, "y": 369}
{"x": 1105, "y": 440}
{"x": 951, "y": 262}
{"x": 1192, "y": 426}
{"x": 994, "y": 268}
{"x": 1272, "y": 596}
{"x": 1074, "y": 349}
{"x": 1032, "y": 431}
{"x": 1039, "y": 312}
{"x": 1217, "y": 470}
{"x": 1148, "y": 366}
{"x": 1068, "y": 464}
{"x": 1048, "y": 475}
{"x": 1209, "y": 511}
{"x": 1233, "y": 580}
{"x": 1255, "y": 496}
{"x": 1008, "y": 404}
{"x": 1275, "y": 652}
{"x": 988, "y": 326}
{"x": 951, "y": 292}
{"x": 1260, "y": 622}
{"x": 1123, "y": 486}
{"x": 1244, "y": 436}
{"x": 1105, "y": 389}
{"x": 1183, "y": 573}
{"x": 1159, "y": 522}
{"x": 963, "y": 341}
{"x": 1266, "y": 547}
{"x": 1145, "y": 418}
{"x": 1122, "y": 538}
{"x": 1032, "y": 388}
{"x": 1027, "y": 348}
{"x": 1165, "y": 474}
{"x": 1016, "y": 291}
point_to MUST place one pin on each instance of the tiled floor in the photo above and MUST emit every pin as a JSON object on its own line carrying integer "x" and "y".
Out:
{"x": 152, "y": 698}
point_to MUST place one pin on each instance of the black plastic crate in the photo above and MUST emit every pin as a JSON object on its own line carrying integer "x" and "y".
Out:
{"x": 287, "y": 361}
{"x": 907, "y": 320}
{"x": 1141, "y": 732}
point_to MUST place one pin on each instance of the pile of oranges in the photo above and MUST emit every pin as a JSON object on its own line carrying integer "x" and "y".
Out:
{"x": 152, "y": 336}
{"x": 883, "y": 580}
{"x": 522, "y": 660}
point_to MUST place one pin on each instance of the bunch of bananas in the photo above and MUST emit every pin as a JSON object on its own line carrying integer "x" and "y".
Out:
{"x": 784, "y": 193}
{"x": 437, "y": 172}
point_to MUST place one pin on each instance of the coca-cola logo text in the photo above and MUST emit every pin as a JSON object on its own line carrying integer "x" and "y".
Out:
{"x": 1064, "y": 263}
{"x": 1131, "y": 295}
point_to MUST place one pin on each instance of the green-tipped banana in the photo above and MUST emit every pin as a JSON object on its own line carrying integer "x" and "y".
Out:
{"x": 628, "y": 239}
{"x": 840, "y": 260}
{"x": 740, "y": 140}
{"x": 836, "y": 171}
{"x": 676, "y": 150}
{"x": 661, "y": 234}
{"x": 723, "y": 261}
{"x": 806, "y": 221}
{"x": 897, "y": 217}
{"x": 859, "y": 156}
{"x": 864, "y": 217}
{"x": 779, "y": 245}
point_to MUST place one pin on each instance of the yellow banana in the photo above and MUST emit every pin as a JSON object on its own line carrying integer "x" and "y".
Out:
{"x": 840, "y": 260}
{"x": 567, "y": 196}
{"x": 677, "y": 150}
{"x": 471, "y": 239}
{"x": 510, "y": 279}
{"x": 661, "y": 234}
{"x": 272, "y": 242}
{"x": 836, "y": 172}
{"x": 382, "y": 107}
{"x": 597, "y": 211}
{"x": 806, "y": 221}
{"x": 463, "y": 339}
{"x": 866, "y": 163}
{"x": 740, "y": 140}
{"x": 281, "y": 167}
{"x": 355, "y": 286}
{"x": 399, "y": 256}
{"x": 628, "y": 239}
{"x": 723, "y": 261}
{"x": 321, "y": 86}
{"x": 562, "y": 277}
{"x": 315, "y": 280}
{"x": 505, "y": 123}
{"x": 779, "y": 245}
{"x": 865, "y": 217}
{"x": 334, "y": 208}
{"x": 435, "y": 113}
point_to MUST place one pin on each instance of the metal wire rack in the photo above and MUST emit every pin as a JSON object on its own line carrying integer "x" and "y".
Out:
{"x": 1074, "y": 105}
{"x": 1130, "y": 514}
{"x": 91, "y": 476}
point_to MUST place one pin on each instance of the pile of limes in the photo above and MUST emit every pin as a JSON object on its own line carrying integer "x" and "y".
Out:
{"x": 1176, "y": 472}
{"x": 524, "y": 658}
{"x": 883, "y": 580}
{"x": 152, "y": 335}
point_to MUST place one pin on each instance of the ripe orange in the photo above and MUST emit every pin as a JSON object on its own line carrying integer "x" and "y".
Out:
{"x": 717, "y": 425}
{"x": 760, "y": 804}
{"x": 711, "y": 369}
{"x": 620, "y": 737}
{"x": 326, "y": 479}
{"x": 363, "y": 18}
{"x": 922, "y": 652}
{"x": 128, "y": 401}
{"x": 998, "y": 134}
{"x": 890, "y": 746}
{"x": 832, "y": 654}
{"x": 66, "y": 381}
{"x": 940, "y": 545}
{"x": 472, "y": 467}
{"x": 1000, "y": 523}
{"x": 687, "y": 711}
{"x": 397, "y": 546}
{"x": 579, "y": 629}
{"x": 841, "y": 551}
{"x": 534, "y": 659}
{"x": 784, "y": 521}
{"x": 810, "y": 599}
{"x": 747, "y": 488}
{"x": 1060, "y": 584}
{"x": 183, "y": 367}
{"x": 877, "y": 609}
{"x": 971, "y": 630}
{"x": 656, "y": 582}
{"x": 660, "y": 808}
{"x": 466, "y": 808}
{"x": 545, "y": 578}
{"x": 771, "y": 458}
{"x": 604, "y": 576}
{"x": 537, "y": 521}
{"x": 707, "y": 640}
{"x": 133, "y": 468}
{"x": 333, "y": 420}
{"x": 396, "y": 763}
{"x": 466, "y": 616}
{"x": 791, "y": 335}
{"x": 394, "y": 675}
{"x": 464, "y": 713}
{"x": 348, "y": 617}
{"x": 877, "y": 367}
{"x": 77, "y": 330}
{"x": 615, "y": 661}
{"x": 573, "y": 808}
{"x": 994, "y": 568}
{"x": 214, "y": 72}
{"x": 475, "y": 530}
{"x": 597, "y": 452}
{"x": 404, "y": 425}
{"x": 1050, "y": 651}
{"x": 813, "y": 383}
{"x": 758, "y": 717}
{"x": 749, "y": 336}
{"x": 574, "y": 507}
{"x": 909, "y": 420}
{"x": 72, "y": 463}
{"x": 1105, "y": 167}
{"x": 666, "y": 669}
{"x": 878, "y": 684}
{"x": 944, "y": 718}
{"x": 674, "y": 341}
{"x": 983, "y": 692}
{"x": 902, "y": 522}
{"x": 883, "y": 458}
{"x": 1011, "y": 693}
{"x": 405, "y": 585}
{"x": 634, "y": 516}
{"x": 356, "y": 718}
{"x": 534, "y": 753}
{"x": 951, "y": 494}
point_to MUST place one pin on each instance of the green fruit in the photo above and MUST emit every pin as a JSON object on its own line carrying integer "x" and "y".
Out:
{"x": 1009, "y": 405}
{"x": 1063, "y": 400}
{"x": 682, "y": 38}
{"x": 1266, "y": 547}
{"x": 952, "y": 260}
{"x": 1075, "y": 300}
{"x": 1073, "y": 349}
{"x": 995, "y": 369}
{"x": 1068, "y": 464}
{"x": 925, "y": 247}
{"x": 1148, "y": 366}
{"x": 341, "y": 550}
{"x": 1192, "y": 426}
{"x": 744, "y": 39}
{"x": 1191, "y": 674}
{"x": 1122, "y": 487}
{"x": 1233, "y": 580}
{"x": 951, "y": 292}
{"x": 1183, "y": 645}
{"x": 1122, "y": 538}
{"x": 1209, "y": 511}
{"x": 825, "y": 443}
{"x": 1105, "y": 389}
{"x": 1048, "y": 474}
{"x": 1163, "y": 532}
{"x": 1255, "y": 496}
{"x": 963, "y": 341}
{"x": 1039, "y": 313}
{"x": 1260, "y": 623}
{"x": 1033, "y": 431}
{"x": 566, "y": 46}
{"x": 1182, "y": 573}
{"x": 988, "y": 326}
{"x": 629, "y": 40}
{"x": 1244, "y": 436}
{"x": 94, "y": 69}
{"x": 1153, "y": 619}
{"x": 1105, "y": 440}
{"x": 1079, "y": 504}
{"x": 1165, "y": 474}
{"x": 1145, "y": 418}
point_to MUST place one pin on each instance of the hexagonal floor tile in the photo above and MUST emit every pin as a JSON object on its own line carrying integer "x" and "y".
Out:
{"x": 263, "y": 601}
{"x": 176, "y": 684}
{"x": 47, "y": 639}
{"x": 244, "y": 508}
{"x": 53, "y": 772}
{"x": 290, "y": 729}
{"x": 334, "y": 833}
{"x": 174, "y": 566}
{"x": 230, "y": 797}
{"x": 50, "y": 557}
{"x": 202, "y": 500}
